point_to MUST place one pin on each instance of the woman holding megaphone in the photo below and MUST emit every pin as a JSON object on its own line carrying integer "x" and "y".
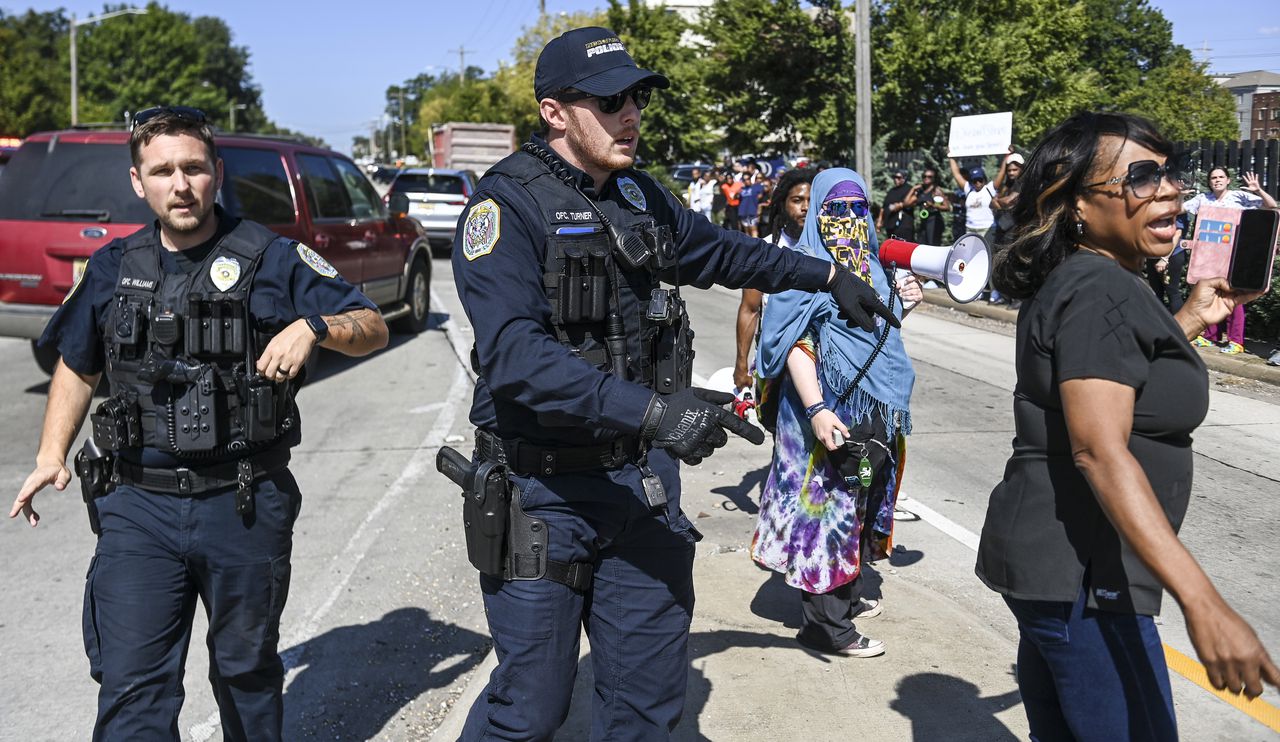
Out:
{"x": 842, "y": 397}
{"x": 1081, "y": 534}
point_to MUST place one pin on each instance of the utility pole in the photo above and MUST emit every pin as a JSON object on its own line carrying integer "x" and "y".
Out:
{"x": 75, "y": 71}
{"x": 462, "y": 63}
{"x": 862, "y": 89}
{"x": 236, "y": 107}
{"x": 404, "y": 150}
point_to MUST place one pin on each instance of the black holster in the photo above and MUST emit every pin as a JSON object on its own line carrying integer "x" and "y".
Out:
{"x": 502, "y": 540}
{"x": 93, "y": 467}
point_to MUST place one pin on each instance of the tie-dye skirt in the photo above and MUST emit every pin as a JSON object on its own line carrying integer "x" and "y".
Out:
{"x": 812, "y": 527}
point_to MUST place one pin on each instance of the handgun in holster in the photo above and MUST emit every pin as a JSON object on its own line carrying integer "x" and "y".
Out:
{"x": 502, "y": 540}
{"x": 93, "y": 467}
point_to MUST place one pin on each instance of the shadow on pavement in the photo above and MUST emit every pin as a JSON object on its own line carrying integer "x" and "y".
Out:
{"x": 943, "y": 706}
{"x": 740, "y": 493}
{"x": 354, "y": 679}
{"x": 701, "y": 644}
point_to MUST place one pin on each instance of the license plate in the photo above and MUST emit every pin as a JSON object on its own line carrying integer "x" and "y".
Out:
{"x": 77, "y": 269}
{"x": 421, "y": 208}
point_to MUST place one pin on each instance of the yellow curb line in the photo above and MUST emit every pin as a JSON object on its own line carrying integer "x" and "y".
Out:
{"x": 1188, "y": 668}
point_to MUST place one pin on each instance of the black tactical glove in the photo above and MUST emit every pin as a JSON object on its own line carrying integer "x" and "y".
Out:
{"x": 858, "y": 301}
{"x": 691, "y": 424}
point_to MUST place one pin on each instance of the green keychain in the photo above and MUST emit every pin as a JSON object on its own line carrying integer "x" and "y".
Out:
{"x": 864, "y": 468}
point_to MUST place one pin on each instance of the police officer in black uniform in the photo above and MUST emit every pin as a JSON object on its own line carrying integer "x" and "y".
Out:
{"x": 567, "y": 262}
{"x": 202, "y": 323}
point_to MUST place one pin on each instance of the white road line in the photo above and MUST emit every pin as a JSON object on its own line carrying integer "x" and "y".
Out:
{"x": 343, "y": 566}
{"x": 940, "y": 522}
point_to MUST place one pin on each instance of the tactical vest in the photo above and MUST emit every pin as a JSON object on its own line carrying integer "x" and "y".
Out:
{"x": 181, "y": 352}
{"x": 607, "y": 304}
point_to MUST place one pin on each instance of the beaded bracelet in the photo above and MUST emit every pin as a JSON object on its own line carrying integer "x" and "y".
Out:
{"x": 814, "y": 409}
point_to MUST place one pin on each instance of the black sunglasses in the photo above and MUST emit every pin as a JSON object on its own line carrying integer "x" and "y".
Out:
{"x": 186, "y": 113}
{"x": 1143, "y": 177}
{"x": 610, "y": 103}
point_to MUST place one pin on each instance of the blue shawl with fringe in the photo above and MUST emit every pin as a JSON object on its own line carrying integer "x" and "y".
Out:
{"x": 885, "y": 389}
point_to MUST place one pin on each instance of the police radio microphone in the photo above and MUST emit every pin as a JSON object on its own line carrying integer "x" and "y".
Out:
{"x": 615, "y": 340}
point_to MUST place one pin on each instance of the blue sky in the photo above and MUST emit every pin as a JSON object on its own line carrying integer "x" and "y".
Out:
{"x": 324, "y": 65}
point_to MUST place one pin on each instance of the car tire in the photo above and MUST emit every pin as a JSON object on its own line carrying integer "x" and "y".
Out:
{"x": 418, "y": 297}
{"x": 46, "y": 357}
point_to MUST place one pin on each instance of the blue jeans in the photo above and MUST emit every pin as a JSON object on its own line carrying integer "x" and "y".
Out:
{"x": 1091, "y": 675}
{"x": 157, "y": 556}
{"x": 636, "y": 613}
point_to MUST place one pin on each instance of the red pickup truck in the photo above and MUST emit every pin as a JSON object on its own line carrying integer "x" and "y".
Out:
{"x": 65, "y": 194}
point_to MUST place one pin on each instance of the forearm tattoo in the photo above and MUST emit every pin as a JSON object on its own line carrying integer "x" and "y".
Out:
{"x": 351, "y": 325}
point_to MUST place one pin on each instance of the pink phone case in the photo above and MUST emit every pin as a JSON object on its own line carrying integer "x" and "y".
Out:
{"x": 1211, "y": 247}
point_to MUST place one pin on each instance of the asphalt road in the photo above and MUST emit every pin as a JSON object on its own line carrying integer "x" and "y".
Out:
{"x": 383, "y": 627}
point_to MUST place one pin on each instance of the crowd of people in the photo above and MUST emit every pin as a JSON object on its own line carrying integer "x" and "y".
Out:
{"x": 584, "y": 412}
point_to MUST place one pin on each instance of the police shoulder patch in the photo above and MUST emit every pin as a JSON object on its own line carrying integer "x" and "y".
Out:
{"x": 481, "y": 231}
{"x": 631, "y": 191}
{"x": 77, "y": 277}
{"x": 317, "y": 263}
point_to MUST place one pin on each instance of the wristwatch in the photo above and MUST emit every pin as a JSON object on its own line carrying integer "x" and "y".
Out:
{"x": 319, "y": 327}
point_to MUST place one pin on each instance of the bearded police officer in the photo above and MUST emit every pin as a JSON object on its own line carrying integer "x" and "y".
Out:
{"x": 566, "y": 261}
{"x": 202, "y": 323}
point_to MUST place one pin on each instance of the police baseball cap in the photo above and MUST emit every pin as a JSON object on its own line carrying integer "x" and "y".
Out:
{"x": 591, "y": 60}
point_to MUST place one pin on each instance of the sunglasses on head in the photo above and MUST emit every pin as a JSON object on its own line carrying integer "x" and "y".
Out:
{"x": 611, "y": 103}
{"x": 842, "y": 209}
{"x": 1143, "y": 177}
{"x": 186, "y": 113}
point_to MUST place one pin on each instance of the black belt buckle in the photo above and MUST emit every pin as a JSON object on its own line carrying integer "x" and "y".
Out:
{"x": 182, "y": 477}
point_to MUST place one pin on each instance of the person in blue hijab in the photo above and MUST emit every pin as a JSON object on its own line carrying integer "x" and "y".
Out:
{"x": 843, "y": 411}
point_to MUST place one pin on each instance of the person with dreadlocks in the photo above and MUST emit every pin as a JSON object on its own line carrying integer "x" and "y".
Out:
{"x": 787, "y": 209}
{"x": 842, "y": 416}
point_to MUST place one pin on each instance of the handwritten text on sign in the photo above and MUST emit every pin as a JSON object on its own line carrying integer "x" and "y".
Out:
{"x": 988, "y": 134}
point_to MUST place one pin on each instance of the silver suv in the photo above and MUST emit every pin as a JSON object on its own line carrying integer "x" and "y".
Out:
{"x": 436, "y": 199}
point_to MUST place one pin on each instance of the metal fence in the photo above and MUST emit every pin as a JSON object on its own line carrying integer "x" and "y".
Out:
{"x": 1261, "y": 156}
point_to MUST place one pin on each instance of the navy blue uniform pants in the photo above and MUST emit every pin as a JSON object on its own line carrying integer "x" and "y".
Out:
{"x": 636, "y": 614}
{"x": 1091, "y": 676}
{"x": 156, "y": 555}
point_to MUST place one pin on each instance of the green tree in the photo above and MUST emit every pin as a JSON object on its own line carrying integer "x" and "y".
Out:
{"x": 1184, "y": 102}
{"x": 34, "y": 76}
{"x": 778, "y": 77}
{"x": 676, "y": 126}
{"x": 1041, "y": 59}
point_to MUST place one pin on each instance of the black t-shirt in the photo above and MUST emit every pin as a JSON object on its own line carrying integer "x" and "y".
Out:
{"x": 1092, "y": 318}
{"x": 898, "y": 223}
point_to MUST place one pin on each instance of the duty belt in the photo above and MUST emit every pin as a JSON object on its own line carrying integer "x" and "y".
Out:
{"x": 195, "y": 480}
{"x": 529, "y": 459}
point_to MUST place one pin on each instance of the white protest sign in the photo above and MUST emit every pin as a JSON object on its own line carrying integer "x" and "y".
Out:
{"x": 988, "y": 134}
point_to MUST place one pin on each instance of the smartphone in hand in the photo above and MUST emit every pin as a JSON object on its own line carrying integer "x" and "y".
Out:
{"x": 1254, "y": 252}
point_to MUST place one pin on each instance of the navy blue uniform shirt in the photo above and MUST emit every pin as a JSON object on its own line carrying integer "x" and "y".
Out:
{"x": 531, "y": 386}
{"x": 284, "y": 289}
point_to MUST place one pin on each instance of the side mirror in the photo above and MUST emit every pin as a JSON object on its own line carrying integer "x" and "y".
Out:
{"x": 398, "y": 204}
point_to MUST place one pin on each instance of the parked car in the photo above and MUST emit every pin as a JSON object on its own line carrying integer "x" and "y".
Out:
{"x": 436, "y": 199}
{"x": 684, "y": 173}
{"x": 64, "y": 194}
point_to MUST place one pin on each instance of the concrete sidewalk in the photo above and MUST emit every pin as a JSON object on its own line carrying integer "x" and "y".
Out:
{"x": 947, "y": 674}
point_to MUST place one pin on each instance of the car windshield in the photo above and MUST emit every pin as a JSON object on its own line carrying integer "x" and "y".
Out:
{"x": 60, "y": 181}
{"x": 426, "y": 183}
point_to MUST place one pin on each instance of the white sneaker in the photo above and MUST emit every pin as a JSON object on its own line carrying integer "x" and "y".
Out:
{"x": 863, "y": 646}
{"x": 868, "y": 608}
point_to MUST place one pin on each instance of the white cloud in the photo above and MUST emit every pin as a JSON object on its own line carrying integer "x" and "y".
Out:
{"x": 1269, "y": 30}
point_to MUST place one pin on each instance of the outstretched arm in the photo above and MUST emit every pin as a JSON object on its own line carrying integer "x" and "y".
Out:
{"x": 70, "y": 393}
